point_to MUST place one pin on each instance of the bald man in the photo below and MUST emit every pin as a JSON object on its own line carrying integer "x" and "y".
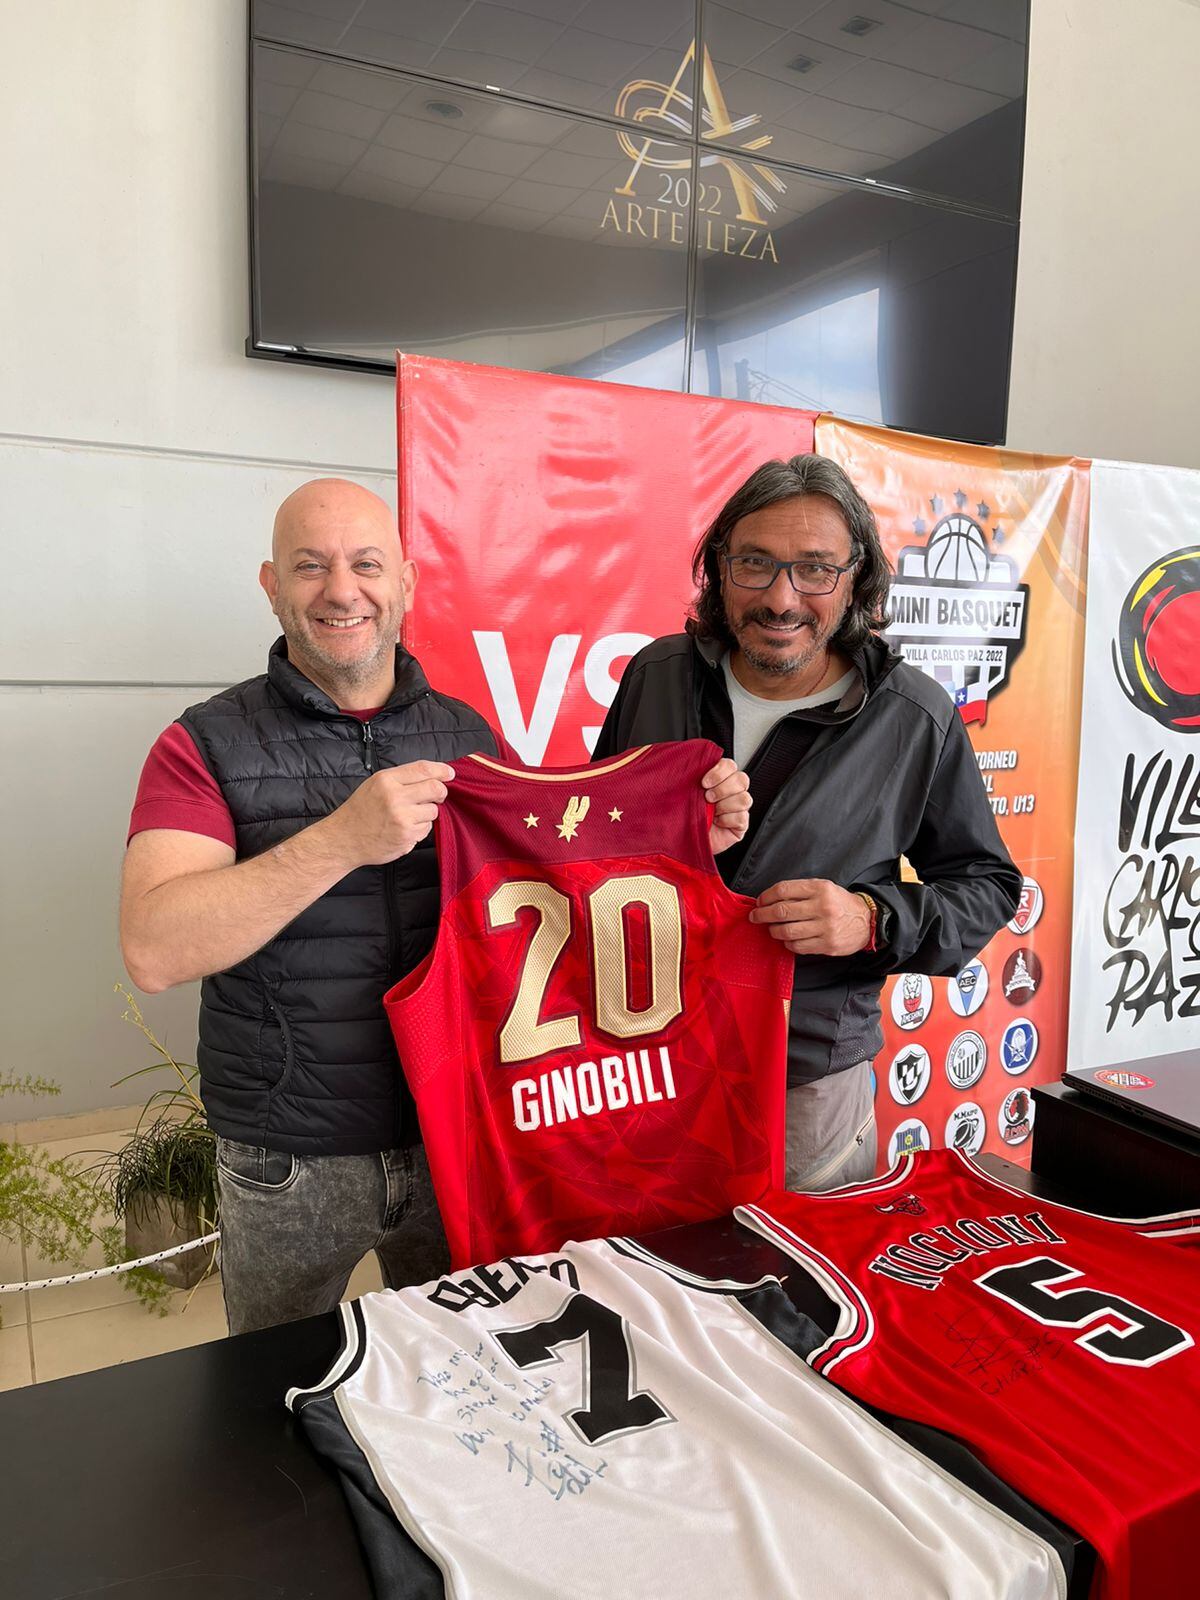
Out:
{"x": 280, "y": 850}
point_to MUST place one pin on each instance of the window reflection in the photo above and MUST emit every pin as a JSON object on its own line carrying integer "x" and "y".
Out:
{"x": 395, "y": 213}
{"x": 893, "y": 92}
{"x": 574, "y": 53}
{"x": 881, "y": 309}
{"x": 823, "y": 359}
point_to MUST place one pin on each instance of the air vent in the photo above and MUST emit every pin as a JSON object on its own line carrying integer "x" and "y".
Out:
{"x": 857, "y": 27}
{"x": 803, "y": 63}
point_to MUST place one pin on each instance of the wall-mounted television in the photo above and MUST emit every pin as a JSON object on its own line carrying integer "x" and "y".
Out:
{"x": 766, "y": 199}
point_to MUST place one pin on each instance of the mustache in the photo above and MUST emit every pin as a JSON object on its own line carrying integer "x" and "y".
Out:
{"x": 787, "y": 619}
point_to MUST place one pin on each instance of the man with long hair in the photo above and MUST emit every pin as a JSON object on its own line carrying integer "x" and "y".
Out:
{"x": 855, "y": 759}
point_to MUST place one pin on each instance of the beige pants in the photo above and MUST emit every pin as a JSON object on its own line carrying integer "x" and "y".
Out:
{"x": 831, "y": 1138}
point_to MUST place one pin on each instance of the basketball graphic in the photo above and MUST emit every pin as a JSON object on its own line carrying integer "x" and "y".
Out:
{"x": 957, "y": 549}
{"x": 966, "y": 1127}
{"x": 958, "y": 611}
{"x": 1155, "y": 655}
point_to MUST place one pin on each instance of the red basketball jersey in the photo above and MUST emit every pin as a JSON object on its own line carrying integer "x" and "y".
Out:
{"x": 597, "y": 1042}
{"x": 1059, "y": 1345}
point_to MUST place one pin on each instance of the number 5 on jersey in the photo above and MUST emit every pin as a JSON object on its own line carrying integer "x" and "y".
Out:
{"x": 1127, "y": 1335}
{"x": 524, "y": 1034}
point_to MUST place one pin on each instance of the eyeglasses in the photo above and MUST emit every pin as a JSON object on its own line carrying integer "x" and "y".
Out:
{"x": 805, "y": 577}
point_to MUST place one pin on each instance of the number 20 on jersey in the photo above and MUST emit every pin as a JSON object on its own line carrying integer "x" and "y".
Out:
{"x": 524, "y": 1034}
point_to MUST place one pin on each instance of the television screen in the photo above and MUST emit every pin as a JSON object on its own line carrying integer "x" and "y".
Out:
{"x": 766, "y": 211}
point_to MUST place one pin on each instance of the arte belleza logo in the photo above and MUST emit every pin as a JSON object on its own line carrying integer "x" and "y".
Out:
{"x": 1156, "y": 654}
{"x": 661, "y": 211}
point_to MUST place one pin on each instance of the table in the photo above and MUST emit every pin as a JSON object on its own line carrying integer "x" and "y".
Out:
{"x": 184, "y": 1474}
{"x": 1112, "y": 1162}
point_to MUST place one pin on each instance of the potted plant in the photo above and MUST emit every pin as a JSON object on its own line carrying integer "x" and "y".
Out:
{"x": 162, "y": 1183}
{"x": 49, "y": 1204}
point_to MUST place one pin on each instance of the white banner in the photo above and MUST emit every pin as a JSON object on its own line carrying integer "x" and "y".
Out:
{"x": 1135, "y": 970}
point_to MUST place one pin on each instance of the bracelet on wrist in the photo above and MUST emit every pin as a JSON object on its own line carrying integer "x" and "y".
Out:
{"x": 873, "y": 914}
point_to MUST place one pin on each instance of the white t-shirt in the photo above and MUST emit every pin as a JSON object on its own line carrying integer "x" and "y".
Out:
{"x": 754, "y": 717}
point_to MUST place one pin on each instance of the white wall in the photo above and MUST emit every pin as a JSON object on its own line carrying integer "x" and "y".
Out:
{"x": 141, "y": 458}
{"x": 1107, "y": 344}
{"x": 142, "y": 453}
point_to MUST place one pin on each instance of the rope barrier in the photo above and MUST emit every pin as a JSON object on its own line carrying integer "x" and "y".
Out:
{"x": 107, "y": 1272}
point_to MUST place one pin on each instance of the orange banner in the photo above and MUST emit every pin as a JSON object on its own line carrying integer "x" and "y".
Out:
{"x": 989, "y": 548}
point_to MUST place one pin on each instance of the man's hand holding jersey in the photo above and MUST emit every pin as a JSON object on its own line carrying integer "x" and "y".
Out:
{"x": 395, "y": 809}
{"x": 728, "y": 791}
{"x": 390, "y": 813}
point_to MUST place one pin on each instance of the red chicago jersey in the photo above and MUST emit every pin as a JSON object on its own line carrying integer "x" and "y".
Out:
{"x": 1059, "y": 1345}
{"x": 597, "y": 1042}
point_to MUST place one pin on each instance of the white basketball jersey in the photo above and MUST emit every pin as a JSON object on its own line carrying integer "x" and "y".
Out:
{"x": 598, "y": 1423}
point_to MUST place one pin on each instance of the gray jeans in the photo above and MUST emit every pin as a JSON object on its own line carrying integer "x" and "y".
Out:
{"x": 831, "y": 1135}
{"x": 293, "y": 1228}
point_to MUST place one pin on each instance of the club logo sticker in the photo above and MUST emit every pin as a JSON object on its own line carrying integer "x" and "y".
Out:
{"x": 965, "y": 1060}
{"x": 909, "y": 1136}
{"x": 1015, "y": 1117}
{"x": 1022, "y": 976}
{"x": 912, "y": 1000}
{"x": 1018, "y": 1047}
{"x": 1117, "y": 1078}
{"x": 965, "y": 1128}
{"x": 1029, "y": 909}
{"x": 958, "y": 612}
{"x": 909, "y": 1074}
{"x": 968, "y": 989}
{"x": 1154, "y": 654}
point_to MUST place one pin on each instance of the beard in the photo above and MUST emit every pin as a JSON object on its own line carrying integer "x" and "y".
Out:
{"x": 800, "y": 650}
{"x": 349, "y": 672}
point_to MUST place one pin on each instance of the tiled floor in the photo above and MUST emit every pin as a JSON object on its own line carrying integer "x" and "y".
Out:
{"x": 52, "y": 1333}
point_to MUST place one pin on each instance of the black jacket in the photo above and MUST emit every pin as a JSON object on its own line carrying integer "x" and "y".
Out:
{"x": 886, "y": 772}
{"x": 295, "y": 1052}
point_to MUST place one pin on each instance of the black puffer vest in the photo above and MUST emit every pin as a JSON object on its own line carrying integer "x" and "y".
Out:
{"x": 295, "y": 1052}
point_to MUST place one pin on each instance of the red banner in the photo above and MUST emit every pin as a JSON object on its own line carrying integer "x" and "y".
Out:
{"x": 553, "y": 521}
